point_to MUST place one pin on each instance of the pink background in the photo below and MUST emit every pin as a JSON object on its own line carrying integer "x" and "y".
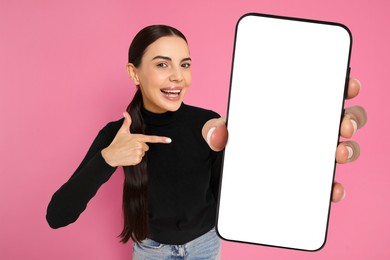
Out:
{"x": 62, "y": 78}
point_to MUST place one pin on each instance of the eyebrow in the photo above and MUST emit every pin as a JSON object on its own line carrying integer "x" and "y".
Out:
{"x": 169, "y": 59}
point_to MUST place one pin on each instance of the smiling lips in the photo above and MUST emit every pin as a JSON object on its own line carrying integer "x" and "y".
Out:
{"x": 172, "y": 94}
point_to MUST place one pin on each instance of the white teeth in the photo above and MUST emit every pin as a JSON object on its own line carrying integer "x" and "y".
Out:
{"x": 171, "y": 91}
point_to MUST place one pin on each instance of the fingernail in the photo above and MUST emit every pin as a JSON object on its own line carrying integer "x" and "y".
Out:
{"x": 209, "y": 133}
{"x": 354, "y": 125}
{"x": 123, "y": 114}
{"x": 360, "y": 84}
{"x": 168, "y": 140}
{"x": 350, "y": 152}
{"x": 345, "y": 193}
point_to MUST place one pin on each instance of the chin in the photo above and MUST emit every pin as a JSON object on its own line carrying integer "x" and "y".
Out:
{"x": 173, "y": 106}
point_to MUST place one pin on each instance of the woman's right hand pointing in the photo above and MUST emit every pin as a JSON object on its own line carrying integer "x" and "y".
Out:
{"x": 128, "y": 149}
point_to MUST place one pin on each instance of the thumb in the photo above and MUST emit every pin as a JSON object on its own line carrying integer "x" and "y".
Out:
{"x": 215, "y": 133}
{"x": 125, "y": 128}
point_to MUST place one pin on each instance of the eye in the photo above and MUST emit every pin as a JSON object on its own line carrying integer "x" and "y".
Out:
{"x": 186, "y": 65}
{"x": 162, "y": 65}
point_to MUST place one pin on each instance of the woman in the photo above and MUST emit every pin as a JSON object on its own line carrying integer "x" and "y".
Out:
{"x": 169, "y": 152}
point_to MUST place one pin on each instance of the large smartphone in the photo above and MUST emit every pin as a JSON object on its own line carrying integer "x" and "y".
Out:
{"x": 288, "y": 85}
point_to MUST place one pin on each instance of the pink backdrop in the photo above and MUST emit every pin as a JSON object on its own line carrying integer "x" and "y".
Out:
{"x": 62, "y": 77}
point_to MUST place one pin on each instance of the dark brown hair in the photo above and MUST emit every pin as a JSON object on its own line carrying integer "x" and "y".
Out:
{"x": 135, "y": 193}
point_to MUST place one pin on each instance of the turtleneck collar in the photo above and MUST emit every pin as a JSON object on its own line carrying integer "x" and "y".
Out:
{"x": 157, "y": 119}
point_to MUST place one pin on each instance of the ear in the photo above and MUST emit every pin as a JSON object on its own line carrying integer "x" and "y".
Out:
{"x": 132, "y": 70}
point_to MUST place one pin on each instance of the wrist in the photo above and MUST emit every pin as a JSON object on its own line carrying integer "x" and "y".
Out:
{"x": 107, "y": 158}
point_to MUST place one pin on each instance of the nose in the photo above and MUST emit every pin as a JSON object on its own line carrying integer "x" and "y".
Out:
{"x": 176, "y": 74}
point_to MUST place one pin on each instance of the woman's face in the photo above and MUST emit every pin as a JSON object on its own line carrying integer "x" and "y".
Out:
{"x": 164, "y": 74}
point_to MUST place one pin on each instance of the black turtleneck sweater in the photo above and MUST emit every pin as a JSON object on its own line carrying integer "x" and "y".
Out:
{"x": 183, "y": 177}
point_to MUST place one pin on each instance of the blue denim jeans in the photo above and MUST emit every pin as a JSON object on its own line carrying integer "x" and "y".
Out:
{"x": 206, "y": 247}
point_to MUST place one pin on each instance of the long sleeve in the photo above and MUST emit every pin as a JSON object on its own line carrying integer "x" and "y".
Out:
{"x": 216, "y": 169}
{"x": 72, "y": 198}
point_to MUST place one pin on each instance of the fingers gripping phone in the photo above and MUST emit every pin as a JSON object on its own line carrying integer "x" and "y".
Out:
{"x": 288, "y": 85}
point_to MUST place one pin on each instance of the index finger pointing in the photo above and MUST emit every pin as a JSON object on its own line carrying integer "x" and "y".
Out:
{"x": 155, "y": 139}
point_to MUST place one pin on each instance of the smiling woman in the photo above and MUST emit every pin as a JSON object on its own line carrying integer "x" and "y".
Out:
{"x": 171, "y": 169}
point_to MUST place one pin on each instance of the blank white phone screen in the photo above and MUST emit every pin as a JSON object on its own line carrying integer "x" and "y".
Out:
{"x": 285, "y": 106}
